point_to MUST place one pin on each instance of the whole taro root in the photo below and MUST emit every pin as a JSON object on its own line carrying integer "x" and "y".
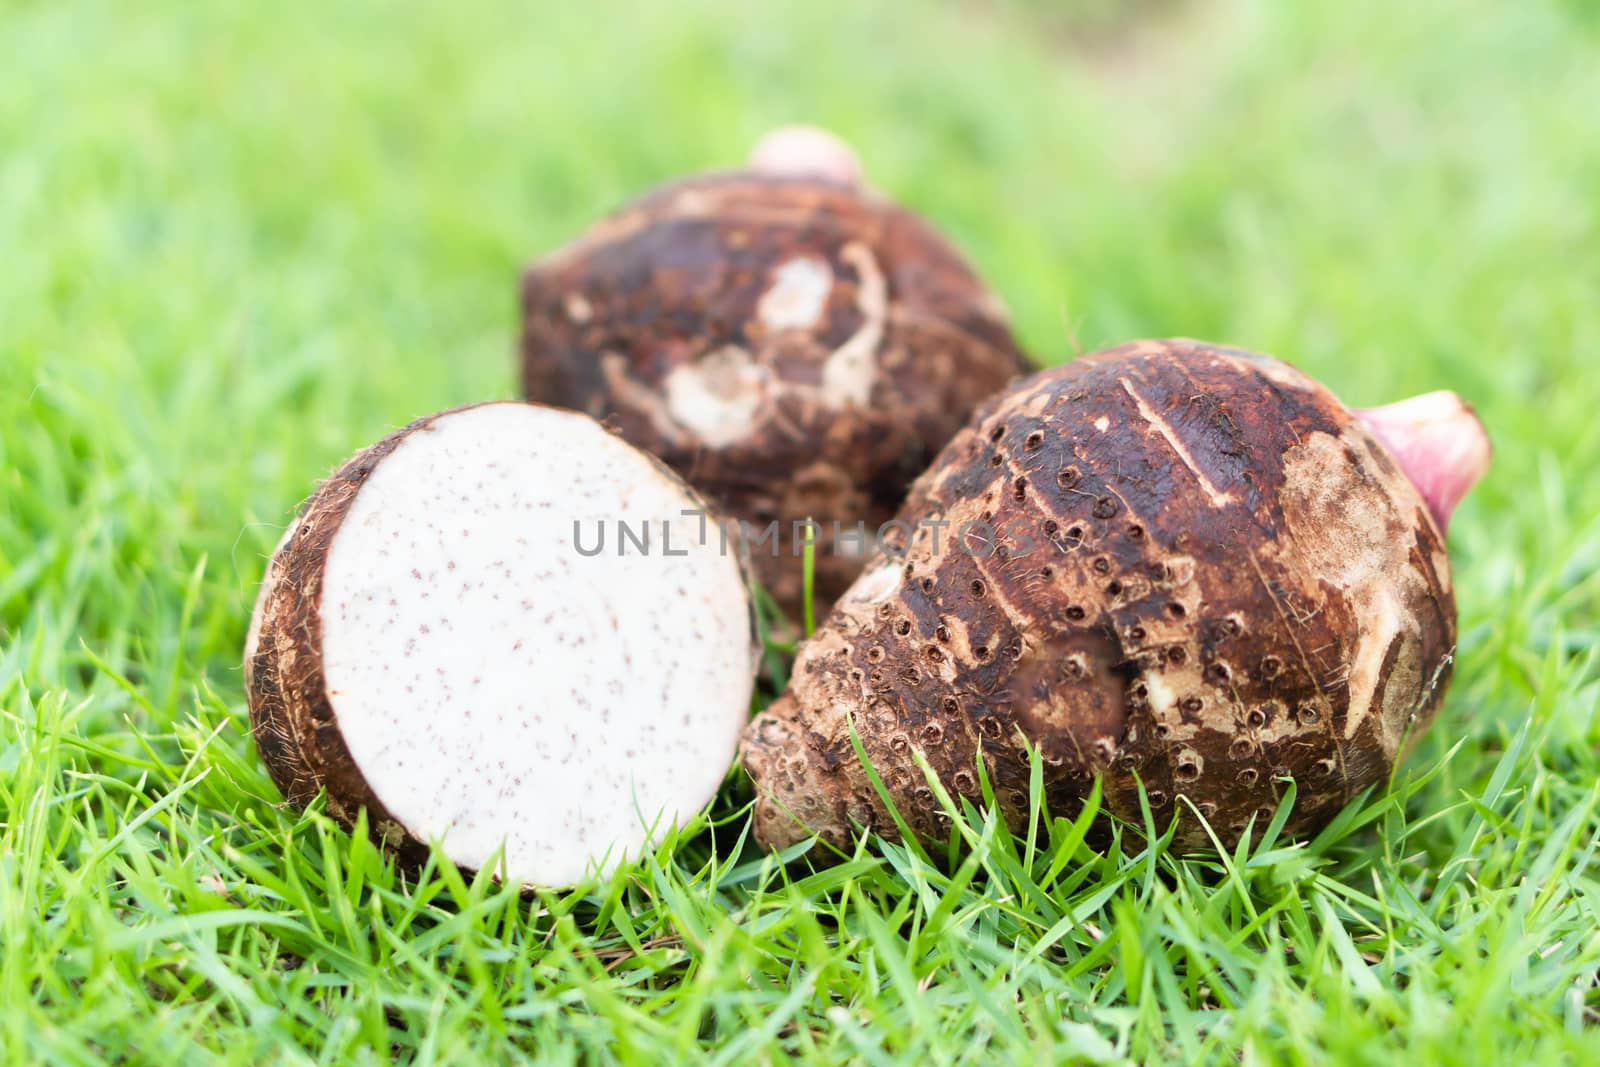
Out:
{"x": 791, "y": 343}
{"x": 1168, "y": 562}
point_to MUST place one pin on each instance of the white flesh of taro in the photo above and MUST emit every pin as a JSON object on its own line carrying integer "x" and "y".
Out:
{"x": 495, "y": 686}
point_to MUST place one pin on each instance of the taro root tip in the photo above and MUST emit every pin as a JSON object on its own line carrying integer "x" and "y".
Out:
{"x": 1438, "y": 440}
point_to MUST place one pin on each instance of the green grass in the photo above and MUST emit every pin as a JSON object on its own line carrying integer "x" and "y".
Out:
{"x": 240, "y": 241}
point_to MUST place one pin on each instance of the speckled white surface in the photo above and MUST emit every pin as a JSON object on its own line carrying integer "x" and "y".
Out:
{"x": 495, "y": 685}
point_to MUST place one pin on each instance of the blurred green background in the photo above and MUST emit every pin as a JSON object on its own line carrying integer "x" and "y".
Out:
{"x": 239, "y": 241}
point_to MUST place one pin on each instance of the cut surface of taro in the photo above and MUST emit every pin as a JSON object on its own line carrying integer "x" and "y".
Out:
{"x": 438, "y": 641}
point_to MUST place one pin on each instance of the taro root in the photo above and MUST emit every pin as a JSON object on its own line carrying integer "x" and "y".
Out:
{"x": 792, "y": 343}
{"x": 1169, "y": 563}
{"x": 456, "y": 636}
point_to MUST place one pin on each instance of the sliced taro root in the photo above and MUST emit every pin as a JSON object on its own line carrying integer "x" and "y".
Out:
{"x": 795, "y": 345}
{"x": 437, "y": 642}
{"x": 1170, "y": 564}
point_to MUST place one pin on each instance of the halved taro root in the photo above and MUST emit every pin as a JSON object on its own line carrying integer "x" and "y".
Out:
{"x": 438, "y": 641}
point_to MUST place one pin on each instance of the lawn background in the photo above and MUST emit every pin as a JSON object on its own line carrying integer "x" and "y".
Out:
{"x": 239, "y": 241}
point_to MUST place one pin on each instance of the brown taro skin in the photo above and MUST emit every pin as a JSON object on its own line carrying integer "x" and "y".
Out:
{"x": 291, "y": 715}
{"x": 794, "y": 347}
{"x": 1232, "y": 585}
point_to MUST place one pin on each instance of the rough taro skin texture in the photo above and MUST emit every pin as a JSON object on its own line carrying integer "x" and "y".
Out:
{"x": 1232, "y": 584}
{"x": 795, "y": 347}
{"x": 290, "y": 714}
